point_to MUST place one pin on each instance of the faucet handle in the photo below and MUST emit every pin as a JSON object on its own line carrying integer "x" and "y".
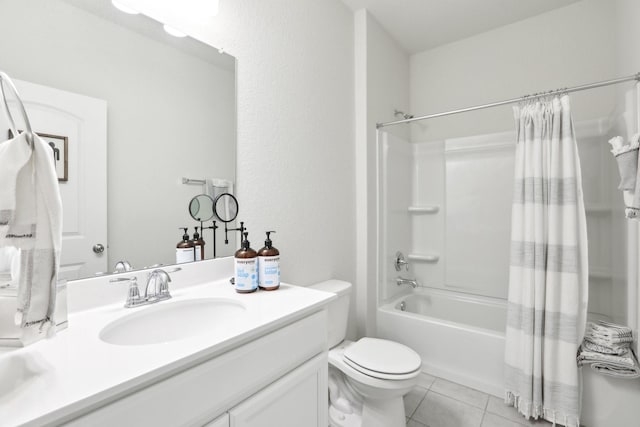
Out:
{"x": 400, "y": 261}
{"x": 163, "y": 289}
{"x": 133, "y": 296}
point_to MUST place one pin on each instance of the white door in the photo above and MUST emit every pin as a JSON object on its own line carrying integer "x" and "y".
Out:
{"x": 83, "y": 120}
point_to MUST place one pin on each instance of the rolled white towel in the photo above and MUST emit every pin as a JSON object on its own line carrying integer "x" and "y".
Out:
{"x": 623, "y": 366}
{"x": 605, "y": 349}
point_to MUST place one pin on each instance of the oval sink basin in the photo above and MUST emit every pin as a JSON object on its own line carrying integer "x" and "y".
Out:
{"x": 171, "y": 321}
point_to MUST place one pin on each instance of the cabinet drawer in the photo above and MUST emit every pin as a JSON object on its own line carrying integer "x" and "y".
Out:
{"x": 199, "y": 394}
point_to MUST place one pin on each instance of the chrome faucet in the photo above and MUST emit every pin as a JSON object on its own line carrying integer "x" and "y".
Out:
{"x": 122, "y": 267}
{"x": 157, "y": 288}
{"x": 160, "y": 290}
{"x": 411, "y": 282}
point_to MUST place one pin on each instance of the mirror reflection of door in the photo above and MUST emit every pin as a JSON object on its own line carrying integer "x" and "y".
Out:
{"x": 84, "y": 203}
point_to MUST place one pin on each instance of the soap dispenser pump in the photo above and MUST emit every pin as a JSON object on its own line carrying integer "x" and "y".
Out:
{"x": 269, "y": 265}
{"x": 198, "y": 243}
{"x": 246, "y": 267}
{"x": 185, "y": 249}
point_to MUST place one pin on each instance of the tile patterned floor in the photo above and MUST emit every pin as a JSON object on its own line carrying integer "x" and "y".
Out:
{"x": 440, "y": 403}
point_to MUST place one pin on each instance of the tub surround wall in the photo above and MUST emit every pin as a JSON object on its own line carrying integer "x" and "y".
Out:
{"x": 395, "y": 197}
{"x": 478, "y": 192}
{"x": 428, "y": 229}
{"x": 470, "y": 180}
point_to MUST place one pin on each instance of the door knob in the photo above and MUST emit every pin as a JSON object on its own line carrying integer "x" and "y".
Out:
{"x": 98, "y": 248}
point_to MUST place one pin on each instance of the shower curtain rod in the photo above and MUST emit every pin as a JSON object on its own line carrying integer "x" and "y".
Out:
{"x": 635, "y": 77}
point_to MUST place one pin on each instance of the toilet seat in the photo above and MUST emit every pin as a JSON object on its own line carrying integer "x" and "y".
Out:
{"x": 382, "y": 359}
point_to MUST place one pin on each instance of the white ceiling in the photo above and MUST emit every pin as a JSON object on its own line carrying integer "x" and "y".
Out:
{"x": 419, "y": 25}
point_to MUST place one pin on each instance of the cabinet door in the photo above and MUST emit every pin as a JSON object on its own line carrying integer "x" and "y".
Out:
{"x": 222, "y": 421}
{"x": 299, "y": 399}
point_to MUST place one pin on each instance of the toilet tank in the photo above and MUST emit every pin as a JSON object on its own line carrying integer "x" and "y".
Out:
{"x": 338, "y": 310}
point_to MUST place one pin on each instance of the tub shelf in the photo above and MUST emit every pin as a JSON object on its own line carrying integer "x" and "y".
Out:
{"x": 424, "y": 209}
{"x": 430, "y": 258}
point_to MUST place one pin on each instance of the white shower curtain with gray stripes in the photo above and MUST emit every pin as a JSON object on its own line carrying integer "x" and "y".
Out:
{"x": 548, "y": 274}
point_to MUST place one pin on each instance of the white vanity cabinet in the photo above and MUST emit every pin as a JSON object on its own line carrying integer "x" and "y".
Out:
{"x": 297, "y": 400}
{"x": 277, "y": 379}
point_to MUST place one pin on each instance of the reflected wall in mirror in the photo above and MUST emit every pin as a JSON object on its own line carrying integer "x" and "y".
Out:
{"x": 170, "y": 113}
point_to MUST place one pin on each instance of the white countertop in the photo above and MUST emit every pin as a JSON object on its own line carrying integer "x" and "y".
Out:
{"x": 75, "y": 370}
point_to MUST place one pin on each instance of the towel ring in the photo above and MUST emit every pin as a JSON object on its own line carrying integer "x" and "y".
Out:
{"x": 6, "y": 80}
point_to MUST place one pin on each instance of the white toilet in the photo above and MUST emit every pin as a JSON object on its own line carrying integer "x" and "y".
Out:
{"x": 367, "y": 378}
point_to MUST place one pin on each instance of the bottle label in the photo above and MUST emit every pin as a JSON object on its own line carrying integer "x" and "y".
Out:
{"x": 269, "y": 271}
{"x": 184, "y": 255}
{"x": 246, "y": 273}
{"x": 198, "y": 250}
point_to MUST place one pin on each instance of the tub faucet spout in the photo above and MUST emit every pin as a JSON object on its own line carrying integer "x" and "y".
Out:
{"x": 402, "y": 281}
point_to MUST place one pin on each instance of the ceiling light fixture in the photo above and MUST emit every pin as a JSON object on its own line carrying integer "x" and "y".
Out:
{"x": 175, "y": 33}
{"x": 124, "y": 8}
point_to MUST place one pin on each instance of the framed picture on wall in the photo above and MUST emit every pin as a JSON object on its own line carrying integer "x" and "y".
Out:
{"x": 59, "y": 152}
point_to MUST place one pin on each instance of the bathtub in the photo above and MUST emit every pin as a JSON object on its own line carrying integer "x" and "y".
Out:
{"x": 460, "y": 337}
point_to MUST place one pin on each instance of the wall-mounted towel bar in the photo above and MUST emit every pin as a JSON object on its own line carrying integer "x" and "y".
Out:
{"x": 193, "y": 181}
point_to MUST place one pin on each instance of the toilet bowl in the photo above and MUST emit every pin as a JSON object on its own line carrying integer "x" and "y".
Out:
{"x": 368, "y": 377}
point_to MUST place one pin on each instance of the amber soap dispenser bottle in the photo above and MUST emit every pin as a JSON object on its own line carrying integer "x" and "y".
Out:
{"x": 246, "y": 267}
{"x": 185, "y": 249}
{"x": 269, "y": 266}
{"x": 199, "y": 243}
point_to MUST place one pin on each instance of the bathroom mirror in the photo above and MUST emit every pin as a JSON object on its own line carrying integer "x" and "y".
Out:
{"x": 201, "y": 208}
{"x": 170, "y": 114}
{"x": 225, "y": 207}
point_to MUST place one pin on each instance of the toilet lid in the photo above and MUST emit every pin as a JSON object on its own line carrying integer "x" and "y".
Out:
{"x": 382, "y": 358}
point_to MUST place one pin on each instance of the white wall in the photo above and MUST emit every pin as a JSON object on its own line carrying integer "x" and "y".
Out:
{"x": 512, "y": 61}
{"x": 170, "y": 114}
{"x": 295, "y": 96}
{"x": 382, "y": 85}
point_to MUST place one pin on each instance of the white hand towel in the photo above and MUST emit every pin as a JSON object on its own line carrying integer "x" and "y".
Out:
{"x": 626, "y": 155}
{"x": 216, "y": 187}
{"x": 31, "y": 220}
